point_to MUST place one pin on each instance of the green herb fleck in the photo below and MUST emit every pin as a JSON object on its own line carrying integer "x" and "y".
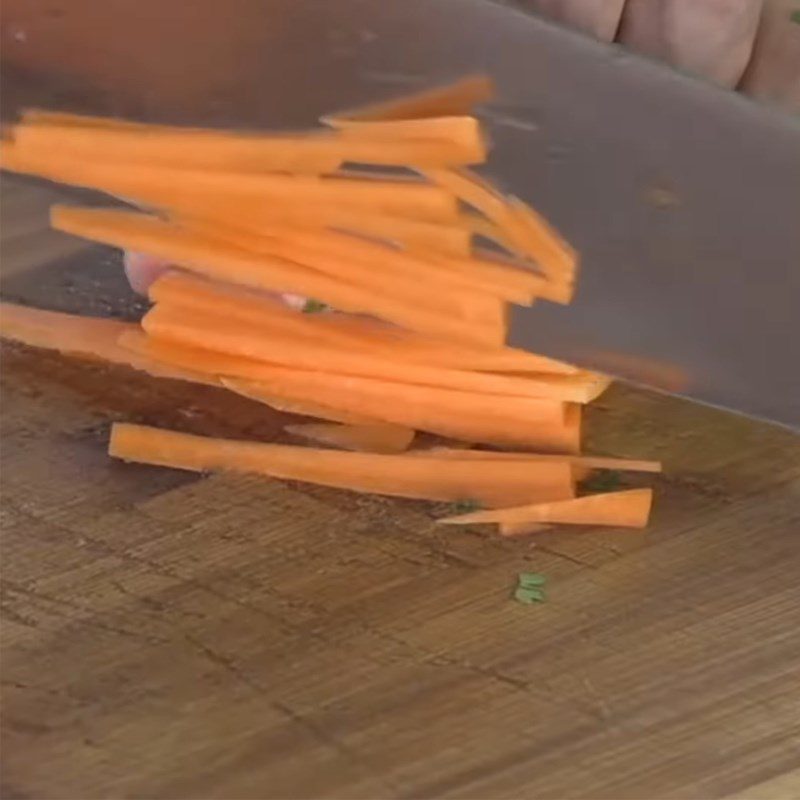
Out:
{"x": 529, "y": 596}
{"x": 606, "y": 481}
{"x": 466, "y": 506}
{"x": 530, "y": 588}
{"x": 531, "y": 579}
{"x": 795, "y": 16}
{"x": 314, "y": 306}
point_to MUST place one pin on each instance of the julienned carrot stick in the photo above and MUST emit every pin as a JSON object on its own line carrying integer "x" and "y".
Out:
{"x": 275, "y": 344}
{"x": 170, "y": 187}
{"x": 221, "y": 261}
{"x": 257, "y": 392}
{"x": 243, "y": 151}
{"x": 628, "y": 509}
{"x": 395, "y": 475}
{"x": 115, "y": 142}
{"x": 490, "y": 419}
{"x": 86, "y": 337}
{"x": 524, "y": 229}
{"x": 361, "y": 334}
{"x": 463, "y": 130}
{"x": 590, "y": 462}
{"x": 522, "y": 528}
{"x": 458, "y": 97}
{"x": 378, "y": 438}
{"x": 438, "y": 236}
{"x": 544, "y": 243}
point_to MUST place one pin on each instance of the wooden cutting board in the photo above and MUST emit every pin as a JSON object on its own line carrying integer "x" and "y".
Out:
{"x": 167, "y": 635}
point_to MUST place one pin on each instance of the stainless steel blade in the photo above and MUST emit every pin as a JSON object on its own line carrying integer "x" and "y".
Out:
{"x": 683, "y": 200}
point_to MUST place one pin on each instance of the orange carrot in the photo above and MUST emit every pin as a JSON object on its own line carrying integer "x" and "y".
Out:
{"x": 395, "y": 475}
{"x": 464, "y": 131}
{"x": 543, "y": 242}
{"x": 458, "y": 97}
{"x": 522, "y": 228}
{"x": 366, "y": 263}
{"x": 399, "y": 272}
{"x": 86, "y": 337}
{"x": 167, "y": 187}
{"x": 521, "y": 528}
{"x": 220, "y": 260}
{"x": 591, "y": 462}
{"x": 379, "y": 438}
{"x": 491, "y": 419}
{"x": 315, "y": 151}
{"x": 342, "y": 330}
{"x": 629, "y": 509}
{"x": 257, "y": 392}
{"x": 274, "y": 344}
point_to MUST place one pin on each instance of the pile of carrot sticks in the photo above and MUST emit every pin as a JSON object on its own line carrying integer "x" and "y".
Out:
{"x": 407, "y": 261}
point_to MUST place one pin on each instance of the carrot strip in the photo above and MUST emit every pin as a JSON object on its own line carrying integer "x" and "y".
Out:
{"x": 491, "y": 419}
{"x": 394, "y": 475}
{"x": 169, "y": 186}
{"x": 355, "y": 333}
{"x": 521, "y": 528}
{"x": 523, "y": 229}
{"x": 380, "y": 438}
{"x": 439, "y": 236}
{"x": 543, "y": 242}
{"x": 275, "y": 345}
{"x": 41, "y": 116}
{"x": 458, "y": 97}
{"x": 628, "y": 509}
{"x": 590, "y": 462}
{"x": 92, "y": 338}
{"x": 319, "y": 151}
{"x": 219, "y": 260}
{"x": 465, "y": 131}
{"x": 256, "y": 391}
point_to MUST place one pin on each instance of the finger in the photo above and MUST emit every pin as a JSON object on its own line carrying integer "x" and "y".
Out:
{"x": 141, "y": 270}
{"x": 598, "y": 18}
{"x": 713, "y": 38}
{"x": 774, "y": 70}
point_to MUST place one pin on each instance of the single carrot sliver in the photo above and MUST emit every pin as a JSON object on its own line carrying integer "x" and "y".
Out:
{"x": 629, "y": 508}
{"x": 590, "y": 462}
{"x": 458, "y": 97}
{"x": 395, "y": 475}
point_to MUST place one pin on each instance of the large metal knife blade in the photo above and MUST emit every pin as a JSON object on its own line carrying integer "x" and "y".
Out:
{"x": 683, "y": 199}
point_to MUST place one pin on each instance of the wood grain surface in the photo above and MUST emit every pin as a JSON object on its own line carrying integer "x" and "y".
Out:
{"x": 168, "y": 635}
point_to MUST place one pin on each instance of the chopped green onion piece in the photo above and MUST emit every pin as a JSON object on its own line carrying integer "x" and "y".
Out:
{"x": 314, "y": 307}
{"x": 528, "y": 595}
{"x": 531, "y": 579}
{"x": 466, "y": 506}
{"x": 605, "y": 481}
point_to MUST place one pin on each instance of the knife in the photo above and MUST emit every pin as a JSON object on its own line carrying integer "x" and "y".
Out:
{"x": 682, "y": 199}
